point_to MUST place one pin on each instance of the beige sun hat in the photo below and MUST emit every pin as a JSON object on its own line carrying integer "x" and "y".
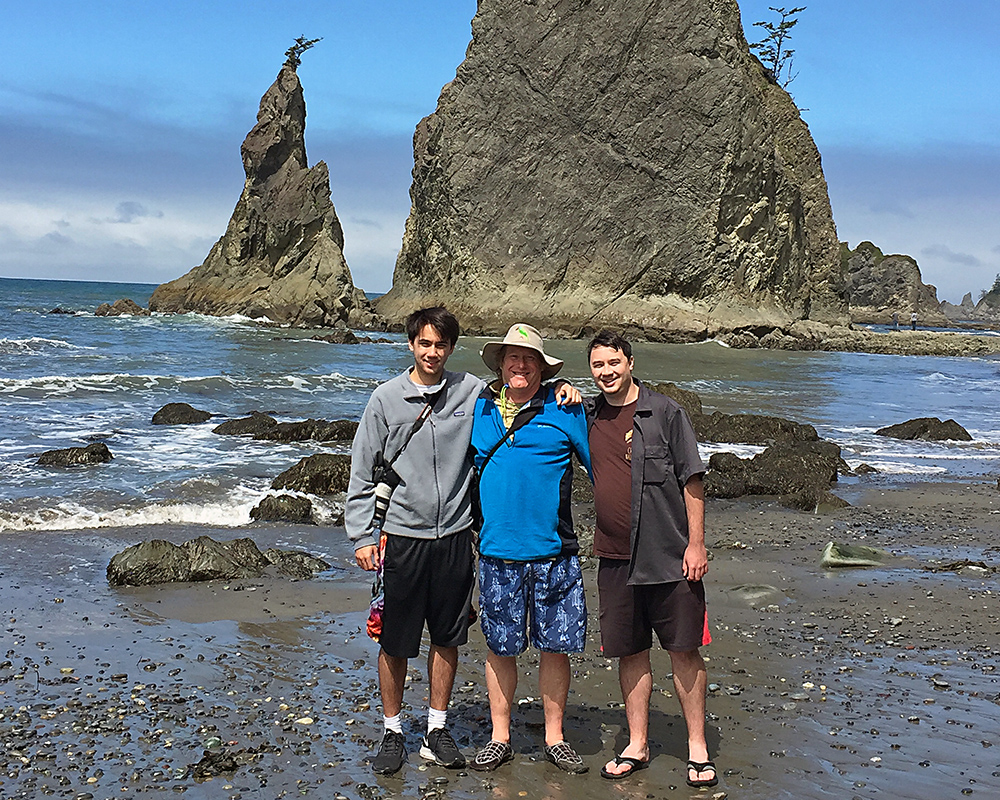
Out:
{"x": 521, "y": 335}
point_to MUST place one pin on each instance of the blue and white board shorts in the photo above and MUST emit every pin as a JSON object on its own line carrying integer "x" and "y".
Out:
{"x": 547, "y": 594}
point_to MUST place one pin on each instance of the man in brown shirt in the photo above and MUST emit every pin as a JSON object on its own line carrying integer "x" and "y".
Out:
{"x": 651, "y": 541}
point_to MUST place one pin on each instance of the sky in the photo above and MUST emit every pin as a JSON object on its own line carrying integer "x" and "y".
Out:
{"x": 121, "y": 125}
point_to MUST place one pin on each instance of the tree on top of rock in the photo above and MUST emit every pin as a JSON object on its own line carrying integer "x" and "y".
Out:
{"x": 772, "y": 49}
{"x": 295, "y": 52}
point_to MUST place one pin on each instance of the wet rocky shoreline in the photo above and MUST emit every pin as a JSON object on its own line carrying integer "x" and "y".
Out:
{"x": 824, "y": 683}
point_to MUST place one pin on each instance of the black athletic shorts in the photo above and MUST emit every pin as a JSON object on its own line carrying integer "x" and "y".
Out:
{"x": 426, "y": 580}
{"x": 630, "y": 614}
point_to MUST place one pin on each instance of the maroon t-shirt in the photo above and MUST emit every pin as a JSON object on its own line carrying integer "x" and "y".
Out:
{"x": 611, "y": 460}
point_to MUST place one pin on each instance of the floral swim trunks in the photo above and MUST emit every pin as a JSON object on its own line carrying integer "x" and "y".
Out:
{"x": 545, "y": 597}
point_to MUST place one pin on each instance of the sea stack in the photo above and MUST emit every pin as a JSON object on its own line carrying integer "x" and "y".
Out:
{"x": 627, "y": 164}
{"x": 879, "y": 285}
{"x": 282, "y": 255}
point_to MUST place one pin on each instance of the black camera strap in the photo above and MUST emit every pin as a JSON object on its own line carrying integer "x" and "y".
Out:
{"x": 425, "y": 412}
{"x": 523, "y": 417}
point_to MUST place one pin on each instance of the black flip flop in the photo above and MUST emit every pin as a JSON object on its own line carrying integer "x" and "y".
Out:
{"x": 702, "y": 766}
{"x": 634, "y": 763}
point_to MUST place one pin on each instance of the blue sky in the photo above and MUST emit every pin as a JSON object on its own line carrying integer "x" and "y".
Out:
{"x": 120, "y": 125}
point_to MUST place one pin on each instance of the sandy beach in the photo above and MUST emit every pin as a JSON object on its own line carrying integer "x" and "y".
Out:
{"x": 849, "y": 683}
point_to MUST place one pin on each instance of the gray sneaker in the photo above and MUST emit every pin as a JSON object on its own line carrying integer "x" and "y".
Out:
{"x": 391, "y": 754}
{"x": 565, "y": 757}
{"x": 440, "y": 748}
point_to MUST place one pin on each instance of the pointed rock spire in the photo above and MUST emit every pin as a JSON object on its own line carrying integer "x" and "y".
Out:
{"x": 282, "y": 254}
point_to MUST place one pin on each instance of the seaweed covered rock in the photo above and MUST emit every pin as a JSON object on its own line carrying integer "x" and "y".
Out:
{"x": 928, "y": 429}
{"x": 203, "y": 559}
{"x": 282, "y": 508}
{"x": 685, "y": 398}
{"x": 319, "y": 430}
{"x": 252, "y": 425}
{"x": 180, "y": 414}
{"x": 96, "y": 453}
{"x": 751, "y": 429}
{"x": 800, "y": 474}
{"x": 323, "y": 473}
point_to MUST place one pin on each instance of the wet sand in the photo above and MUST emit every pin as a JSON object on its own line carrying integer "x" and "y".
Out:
{"x": 850, "y": 683}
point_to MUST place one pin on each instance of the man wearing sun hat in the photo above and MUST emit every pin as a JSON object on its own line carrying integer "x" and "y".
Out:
{"x": 529, "y": 573}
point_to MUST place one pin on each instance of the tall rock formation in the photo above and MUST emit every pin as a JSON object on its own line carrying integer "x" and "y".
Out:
{"x": 282, "y": 254}
{"x": 878, "y": 285}
{"x": 625, "y": 163}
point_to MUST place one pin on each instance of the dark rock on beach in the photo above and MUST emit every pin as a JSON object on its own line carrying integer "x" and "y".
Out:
{"x": 180, "y": 414}
{"x": 322, "y": 474}
{"x": 319, "y": 430}
{"x": 148, "y": 563}
{"x": 685, "y": 398}
{"x": 203, "y": 559}
{"x": 266, "y": 428}
{"x": 927, "y": 429}
{"x": 282, "y": 508}
{"x": 735, "y": 428}
{"x": 348, "y": 337}
{"x": 637, "y": 99}
{"x": 252, "y": 425}
{"x": 120, "y": 308}
{"x": 295, "y": 563}
{"x": 751, "y": 429}
{"x": 96, "y": 453}
{"x": 800, "y": 473}
{"x": 282, "y": 255}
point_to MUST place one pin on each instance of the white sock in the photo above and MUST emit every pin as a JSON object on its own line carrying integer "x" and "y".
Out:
{"x": 436, "y": 719}
{"x": 394, "y": 724}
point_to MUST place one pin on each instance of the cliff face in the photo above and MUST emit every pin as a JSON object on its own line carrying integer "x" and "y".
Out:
{"x": 282, "y": 254}
{"x": 878, "y": 285}
{"x": 621, "y": 163}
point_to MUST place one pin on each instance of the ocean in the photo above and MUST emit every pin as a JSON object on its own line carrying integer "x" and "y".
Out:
{"x": 72, "y": 379}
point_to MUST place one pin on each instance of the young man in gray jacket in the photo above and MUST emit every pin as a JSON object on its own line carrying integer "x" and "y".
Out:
{"x": 428, "y": 572}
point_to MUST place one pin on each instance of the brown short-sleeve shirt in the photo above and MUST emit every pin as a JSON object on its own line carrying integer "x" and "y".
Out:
{"x": 611, "y": 460}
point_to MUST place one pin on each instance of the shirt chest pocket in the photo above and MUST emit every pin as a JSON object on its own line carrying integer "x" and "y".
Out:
{"x": 656, "y": 465}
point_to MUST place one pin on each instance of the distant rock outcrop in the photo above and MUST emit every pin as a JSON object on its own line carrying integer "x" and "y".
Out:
{"x": 282, "y": 254}
{"x": 986, "y": 311}
{"x": 626, "y": 164}
{"x": 879, "y": 285}
{"x": 120, "y": 308}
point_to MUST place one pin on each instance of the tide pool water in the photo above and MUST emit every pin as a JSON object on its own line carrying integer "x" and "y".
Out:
{"x": 71, "y": 379}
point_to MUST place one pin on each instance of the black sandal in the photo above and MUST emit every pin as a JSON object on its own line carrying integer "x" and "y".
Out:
{"x": 702, "y": 766}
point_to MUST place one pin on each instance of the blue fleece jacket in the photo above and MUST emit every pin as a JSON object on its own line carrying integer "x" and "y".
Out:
{"x": 526, "y": 487}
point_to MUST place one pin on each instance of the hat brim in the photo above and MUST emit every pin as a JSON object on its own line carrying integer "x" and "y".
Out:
{"x": 491, "y": 358}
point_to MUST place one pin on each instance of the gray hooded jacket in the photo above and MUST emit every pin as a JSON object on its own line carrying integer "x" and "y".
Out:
{"x": 432, "y": 500}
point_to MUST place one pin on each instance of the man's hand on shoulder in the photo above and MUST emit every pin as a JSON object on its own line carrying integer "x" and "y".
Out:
{"x": 567, "y": 394}
{"x": 367, "y": 558}
{"x": 695, "y": 562}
